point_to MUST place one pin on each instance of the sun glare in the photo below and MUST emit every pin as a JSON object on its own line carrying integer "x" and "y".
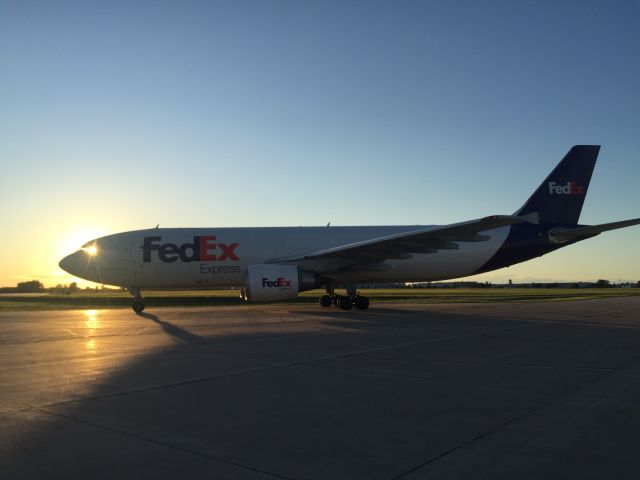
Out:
{"x": 73, "y": 242}
{"x": 76, "y": 240}
{"x": 92, "y": 323}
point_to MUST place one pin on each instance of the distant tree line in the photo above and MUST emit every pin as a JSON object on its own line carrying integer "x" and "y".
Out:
{"x": 33, "y": 286}
{"x": 36, "y": 286}
{"x": 600, "y": 283}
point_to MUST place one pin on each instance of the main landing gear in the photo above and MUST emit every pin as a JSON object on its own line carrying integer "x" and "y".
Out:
{"x": 138, "y": 301}
{"x": 352, "y": 299}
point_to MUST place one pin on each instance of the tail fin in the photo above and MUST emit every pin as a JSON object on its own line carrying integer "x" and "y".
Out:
{"x": 560, "y": 197}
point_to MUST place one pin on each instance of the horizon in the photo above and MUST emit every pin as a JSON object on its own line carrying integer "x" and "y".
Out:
{"x": 94, "y": 287}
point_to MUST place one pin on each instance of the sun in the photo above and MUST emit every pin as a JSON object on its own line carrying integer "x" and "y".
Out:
{"x": 77, "y": 239}
{"x": 80, "y": 239}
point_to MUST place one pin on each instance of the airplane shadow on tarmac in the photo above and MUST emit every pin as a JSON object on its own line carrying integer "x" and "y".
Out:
{"x": 173, "y": 330}
{"x": 374, "y": 395}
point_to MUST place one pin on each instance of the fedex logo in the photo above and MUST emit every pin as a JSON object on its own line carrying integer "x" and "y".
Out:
{"x": 571, "y": 188}
{"x": 202, "y": 249}
{"x": 278, "y": 282}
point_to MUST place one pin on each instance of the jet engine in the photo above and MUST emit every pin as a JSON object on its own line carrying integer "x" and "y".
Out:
{"x": 276, "y": 282}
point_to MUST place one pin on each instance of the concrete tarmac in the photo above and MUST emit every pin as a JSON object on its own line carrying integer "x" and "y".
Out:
{"x": 401, "y": 391}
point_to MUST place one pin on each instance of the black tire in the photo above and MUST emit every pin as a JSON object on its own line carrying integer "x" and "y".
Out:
{"x": 138, "y": 306}
{"x": 345, "y": 303}
{"x": 362, "y": 303}
{"x": 326, "y": 300}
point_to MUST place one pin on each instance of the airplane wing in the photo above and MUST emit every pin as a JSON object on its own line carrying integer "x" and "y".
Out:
{"x": 370, "y": 254}
{"x": 562, "y": 235}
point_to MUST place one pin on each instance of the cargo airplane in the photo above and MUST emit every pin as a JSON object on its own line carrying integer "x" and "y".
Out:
{"x": 276, "y": 263}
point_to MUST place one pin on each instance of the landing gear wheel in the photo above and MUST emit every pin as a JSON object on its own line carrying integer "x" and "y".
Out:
{"x": 345, "y": 303}
{"x": 362, "y": 303}
{"x": 326, "y": 300}
{"x": 138, "y": 306}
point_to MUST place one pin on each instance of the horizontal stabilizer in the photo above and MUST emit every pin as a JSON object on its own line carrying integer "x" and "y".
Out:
{"x": 562, "y": 235}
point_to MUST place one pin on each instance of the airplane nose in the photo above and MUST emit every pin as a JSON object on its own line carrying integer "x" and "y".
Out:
{"x": 71, "y": 263}
{"x": 82, "y": 264}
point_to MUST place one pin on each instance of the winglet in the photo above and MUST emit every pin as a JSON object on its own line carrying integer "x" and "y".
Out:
{"x": 533, "y": 217}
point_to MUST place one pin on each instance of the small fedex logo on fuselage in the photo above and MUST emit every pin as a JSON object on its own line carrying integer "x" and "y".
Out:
{"x": 202, "y": 249}
{"x": 278, "y": 282}
{"x": 570, "y": 188}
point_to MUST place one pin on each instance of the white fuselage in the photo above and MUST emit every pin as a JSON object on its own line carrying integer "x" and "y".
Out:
{"x": 171, "y": 259}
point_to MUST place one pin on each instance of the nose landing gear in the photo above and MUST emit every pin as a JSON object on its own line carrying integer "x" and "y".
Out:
{"x": 138, "y": 302}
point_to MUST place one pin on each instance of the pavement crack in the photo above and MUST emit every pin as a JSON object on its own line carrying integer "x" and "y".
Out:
{"x": 155, "y": 442}
{"x": 515, "y": 419}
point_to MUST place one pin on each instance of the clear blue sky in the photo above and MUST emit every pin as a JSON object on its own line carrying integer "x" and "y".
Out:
{"x": 121, "y": 115}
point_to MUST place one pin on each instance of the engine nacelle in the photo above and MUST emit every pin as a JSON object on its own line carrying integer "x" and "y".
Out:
{"x": 263, "y": 283}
